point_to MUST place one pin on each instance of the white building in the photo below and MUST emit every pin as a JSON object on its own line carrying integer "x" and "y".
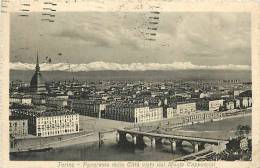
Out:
{"x": 185, "y": 108}
{"x": 21, "y": 99}
{"x": 229, "y": 104}
{"x": 214, "y": 105}
{"x": 57, "y": 125}
{"x": 245, "y": 102}
{"x": 18, "y": 126}
{"x": 209, "y": 105}
{"x": 180, "y": 108}
{"x": 56, "y": 101}
{"x": 170, "y": 112}
{"x": 137, "y": 113}
{"x": 88, "y": 107}
{"x": 147, "y": 114}
{"x": 39, "y": 99}
{"x": 49, "y": 122}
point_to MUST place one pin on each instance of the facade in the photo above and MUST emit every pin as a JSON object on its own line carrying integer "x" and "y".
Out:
{"x": 209, "y": 105}
{"x": 88, "y": 107}
{"x": 121, "y": 112}
{"x": 250, "y": 102}
{"x": 237, "y": 92}
{"x": 237, "y": 103}
{"x": 49, "y": 122}
{"x": 18, "y": 126}
{"x": 203, "y": 117}
{"x": 180, "y": 108}
{"x": 215, "y": 105}
{"x": 153, "y": 114}
{"x": 245, "y": 102}
{"x": 170, "y": 112}
{"x": 39, "y": 99}
{"x": 229, "y": 104}
{"x": 185, "y": 108}
{"x": 137, "y": 113}
{"x": 56, "y": 102}
{"x": 21, "y": 99}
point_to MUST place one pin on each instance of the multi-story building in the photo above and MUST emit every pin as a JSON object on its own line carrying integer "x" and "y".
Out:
{"x": 50, "y": 122}
{"x": 184, "y": 108}
{"x": 21, "y": 99}
{"x": 170, "y": 112}
{"x": 18, "y": 126}
{"x": 153, "y": 114}
{"x": 245, "y": 102}
{"x": 237, "y": 92}
{"x": 229, "y": 104}
{"x": 56, "y": 102}
{"x": 203, "y": 117}
{"x": 180, "y": 108}
{"x": 39, "y": 99}
{"x": 137, "y": 113}
{"x": 215, "y": 105}
{"x": 209, "y": 105}
{"x": 250, "y": 101}
{"x": 88, "y": 107}
{"x": 237, "y": 103}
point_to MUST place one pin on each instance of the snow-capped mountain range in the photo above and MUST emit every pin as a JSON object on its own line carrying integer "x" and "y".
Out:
{"x": 99, "y": 66}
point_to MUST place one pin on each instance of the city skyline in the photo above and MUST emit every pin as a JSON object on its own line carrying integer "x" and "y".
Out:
{"x": 100, "y": 40}
{"x": 130, "y": 81}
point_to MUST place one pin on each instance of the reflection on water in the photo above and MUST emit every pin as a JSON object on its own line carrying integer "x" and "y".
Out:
{"x": 110, "y": 151}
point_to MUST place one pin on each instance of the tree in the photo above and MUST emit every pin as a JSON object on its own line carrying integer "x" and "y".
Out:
{"x": 243, "y": 130}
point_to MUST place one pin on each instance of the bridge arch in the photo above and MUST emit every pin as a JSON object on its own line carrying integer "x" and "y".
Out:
{"x": 166, "y": 141}
{"x": 195, "y": 143}
{"x": 129, "y": 137}
{"x": 147, "y": 140}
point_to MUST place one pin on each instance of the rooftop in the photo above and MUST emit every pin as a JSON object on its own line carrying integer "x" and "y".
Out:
{"x": 17, "y": 118}
{"x": 44, "y": 113}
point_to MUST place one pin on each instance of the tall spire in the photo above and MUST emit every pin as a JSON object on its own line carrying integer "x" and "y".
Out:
{"x": 37, "y": 82}
{"x": 37, "y": 58}
{"x": 37, "y": 68}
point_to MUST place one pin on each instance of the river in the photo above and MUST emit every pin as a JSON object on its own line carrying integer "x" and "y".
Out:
{"x": 111, "y": 151}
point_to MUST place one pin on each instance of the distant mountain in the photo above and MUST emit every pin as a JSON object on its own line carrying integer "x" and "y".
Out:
{"x": 105, "y": 66}
{"x": 244, "y": 75}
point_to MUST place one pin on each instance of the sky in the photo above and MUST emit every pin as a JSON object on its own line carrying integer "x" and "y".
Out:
{"x": 200, "y": 39}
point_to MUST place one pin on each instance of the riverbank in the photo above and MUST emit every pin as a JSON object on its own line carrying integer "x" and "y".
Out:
{"x": 222, "y": 129}
{"x": 110, "y": 151}
{"x": 91, "y": 127}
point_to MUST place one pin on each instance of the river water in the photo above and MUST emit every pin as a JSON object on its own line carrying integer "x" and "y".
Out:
{"x": 110, "y": 151}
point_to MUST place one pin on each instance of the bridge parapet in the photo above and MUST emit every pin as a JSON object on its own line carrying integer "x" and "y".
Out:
{"x": 175, "y": 140}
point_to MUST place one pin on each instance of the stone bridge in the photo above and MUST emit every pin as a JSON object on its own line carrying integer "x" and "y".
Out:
{"x": 138, "y": 137}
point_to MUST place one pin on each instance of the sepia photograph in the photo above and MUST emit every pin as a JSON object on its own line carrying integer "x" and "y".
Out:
{"x": 130, "y": 86}
{"x": 147, "y": 85}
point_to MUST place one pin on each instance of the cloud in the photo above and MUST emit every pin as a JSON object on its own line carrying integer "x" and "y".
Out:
{"x": 209, "y": 35}
{"x": 98, "y": 66}
{"x": 97, "y": 32}
{"x": 208, "y": 38}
